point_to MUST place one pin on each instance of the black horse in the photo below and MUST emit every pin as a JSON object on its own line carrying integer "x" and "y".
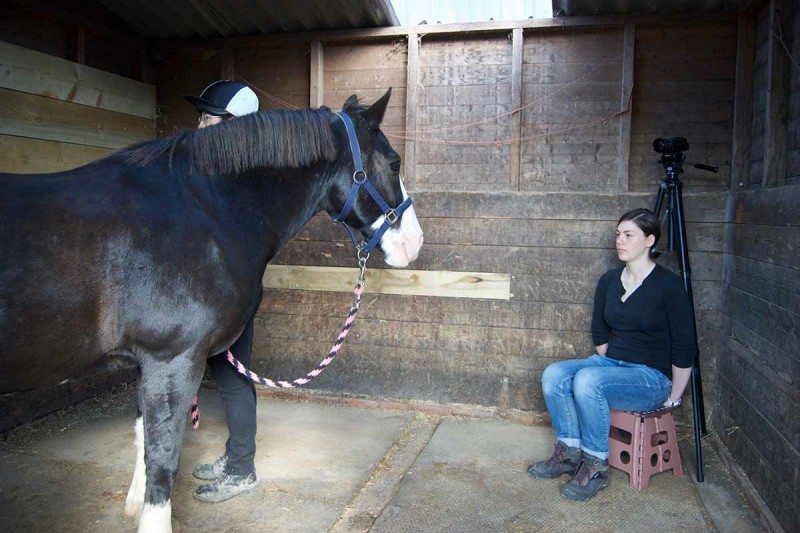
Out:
{"x": 157, "y": 253}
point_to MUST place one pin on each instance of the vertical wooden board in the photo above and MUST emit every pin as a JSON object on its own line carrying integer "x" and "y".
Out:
{"x": 316, "y": 74}
{"x": 517, "y": 44}
{"x": 670, "y": 103}
{"x": 743, "y": 103}
{"x": 626, "y": 106}
{"x": 280, "y": 75}
{"x": 464, "y": 70}
{"x": 793, "y": 141}
{"x": 571, "y": 87}
{"x": 368, "y": 70}
{"x": 777, "y": 109}
{"x": 759, "y": 88}
{"x": 182, "y": 72}
{"x": 33, "y": 156}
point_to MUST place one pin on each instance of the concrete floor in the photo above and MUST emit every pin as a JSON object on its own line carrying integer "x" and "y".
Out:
{"x": 338, "y": 468}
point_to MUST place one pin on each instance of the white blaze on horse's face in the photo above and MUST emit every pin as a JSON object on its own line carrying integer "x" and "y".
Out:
{"x": 401, "y": 244}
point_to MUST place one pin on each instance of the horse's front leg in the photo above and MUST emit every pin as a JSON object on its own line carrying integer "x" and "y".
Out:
{"x": 165, "y": 395}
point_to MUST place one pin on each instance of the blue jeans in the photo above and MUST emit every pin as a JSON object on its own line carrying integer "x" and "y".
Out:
{"x": 580, "y": 392}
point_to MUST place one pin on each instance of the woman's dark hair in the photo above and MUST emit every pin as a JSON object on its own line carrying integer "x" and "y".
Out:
{"x": 647, "y": 222}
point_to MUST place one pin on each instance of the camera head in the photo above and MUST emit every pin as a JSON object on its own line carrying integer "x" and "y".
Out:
{"x": 671, "y": 146}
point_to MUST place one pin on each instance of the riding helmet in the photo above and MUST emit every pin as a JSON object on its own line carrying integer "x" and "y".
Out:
{"x": 225, "y": 97}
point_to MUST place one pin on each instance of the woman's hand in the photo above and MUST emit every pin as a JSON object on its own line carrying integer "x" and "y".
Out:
{"x": 602, "y": 349}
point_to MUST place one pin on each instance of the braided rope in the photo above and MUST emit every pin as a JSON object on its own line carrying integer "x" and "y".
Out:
{"x": 358, "y": 291}
{"x": 348, "y": 323}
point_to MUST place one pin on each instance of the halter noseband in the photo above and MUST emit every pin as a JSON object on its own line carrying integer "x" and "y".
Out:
{"x": 360, "y": 179}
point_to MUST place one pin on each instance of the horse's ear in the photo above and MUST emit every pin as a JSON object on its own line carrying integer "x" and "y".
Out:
{"x": 374, "y": 114}
{"x": 350, "y": 102}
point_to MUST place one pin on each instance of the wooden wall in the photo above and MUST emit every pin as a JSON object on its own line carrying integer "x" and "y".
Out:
{"x": 56, "y": 114}
{"x": 758, "y": 392}
{"x": 540, "y": 212}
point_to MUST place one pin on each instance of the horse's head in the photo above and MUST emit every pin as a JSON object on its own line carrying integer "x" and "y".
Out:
{"x": 402, "y": 240}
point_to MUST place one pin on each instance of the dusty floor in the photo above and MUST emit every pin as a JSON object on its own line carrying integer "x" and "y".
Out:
{"x": 337, "y": 468}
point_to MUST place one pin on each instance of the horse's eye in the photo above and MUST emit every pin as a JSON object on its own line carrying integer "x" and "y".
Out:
{"x": 395, "y": 166}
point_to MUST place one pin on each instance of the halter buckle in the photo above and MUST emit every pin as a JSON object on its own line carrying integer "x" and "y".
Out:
{"x": 391, "y": 217}
{"x": 359, "y": 173}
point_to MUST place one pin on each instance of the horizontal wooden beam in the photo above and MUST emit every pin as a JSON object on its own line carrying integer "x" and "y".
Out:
{"x": 21, "y": 155}
{"x": 29, "y": 71}
{"x": 38, "y": 117}
{"x": 481, "y": 285}
{"x": 393, "y": 32}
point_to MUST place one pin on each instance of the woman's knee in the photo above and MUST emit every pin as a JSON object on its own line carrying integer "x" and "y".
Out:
{"x": 553, "y": 377}
{"x": 587, "y": 383}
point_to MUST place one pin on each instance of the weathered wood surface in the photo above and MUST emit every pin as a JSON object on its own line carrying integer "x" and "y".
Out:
{"x": 282, "y": 72}
{"x": 760, "y": 87}
{"x": 743, "y": 103}
{"x": 32, "y": 156}
{"x": 32, "y": 72}
{"x": 483, "y": 285}
{"x": 180, "y": 73}
{"x": 671, "y": 101}
{"x": 626, "y": 104}
{"x": 793, "y": 134}
{"x": 39, "y": 117}
{"x": 572, "y": 80}
{"x": 777, "y": 106}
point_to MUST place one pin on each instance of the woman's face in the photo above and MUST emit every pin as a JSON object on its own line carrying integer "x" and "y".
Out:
{"x": 631, "y": 241}
{"x": 208, "y": 120}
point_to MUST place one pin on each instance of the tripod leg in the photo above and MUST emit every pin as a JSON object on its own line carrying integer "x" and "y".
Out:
{"x": 698, "y": 409}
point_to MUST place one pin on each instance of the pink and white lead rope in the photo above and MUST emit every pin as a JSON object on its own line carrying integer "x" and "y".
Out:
{"x": 358, "y": 290}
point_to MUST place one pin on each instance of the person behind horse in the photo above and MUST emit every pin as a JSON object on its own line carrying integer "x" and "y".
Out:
{"x": 643, "y": 332}
{"x": 234, "y": 472}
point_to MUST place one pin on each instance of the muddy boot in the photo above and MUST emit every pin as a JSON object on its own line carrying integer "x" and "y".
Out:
{"x": 211, "y": 471}
{"x": 225, "y": 487}
{"x": 591, "y": 477}
{"x": 563, "y": 461}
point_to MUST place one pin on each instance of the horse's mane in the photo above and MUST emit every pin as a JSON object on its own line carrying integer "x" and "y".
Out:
{"x": 277, "y": 139}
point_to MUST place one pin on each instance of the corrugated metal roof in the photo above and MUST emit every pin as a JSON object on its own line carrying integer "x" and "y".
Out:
{"x": 571, "y": 8}
{"x": 189, "y": 19}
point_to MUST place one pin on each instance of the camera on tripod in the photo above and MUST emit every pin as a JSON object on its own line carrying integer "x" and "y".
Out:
{"x": 670, "y": 146}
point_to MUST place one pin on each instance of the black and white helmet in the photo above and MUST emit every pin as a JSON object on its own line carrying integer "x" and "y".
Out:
{"x": 225, "y": 97}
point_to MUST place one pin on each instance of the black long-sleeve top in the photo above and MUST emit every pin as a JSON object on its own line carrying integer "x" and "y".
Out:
{"x": 654, "y": 326}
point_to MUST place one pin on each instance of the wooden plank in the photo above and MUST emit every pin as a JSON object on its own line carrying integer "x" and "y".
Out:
{"x": 626, "y": 104}
{"x": 548, "y": 26}
{"x": 412, "y": 99}
{"x": 32, "y": 72}
{"x": 33, "y": 156}
{"x": 776, "y": 245}
{"x": 743, "y": 103}
{"x": 573, "y": 205}
{"x": 517, "y": 42}
{"x": 227, "y": 69}
{"x": 382, "y": 281}
{"x": 777, "y": 110}
{"x": 778, "y": 206}
{"x": 317, "y": 70}
{"x": 38, "y": 117}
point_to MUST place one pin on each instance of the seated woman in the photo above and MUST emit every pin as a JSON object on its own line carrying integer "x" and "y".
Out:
{"x": 643, "y": 332}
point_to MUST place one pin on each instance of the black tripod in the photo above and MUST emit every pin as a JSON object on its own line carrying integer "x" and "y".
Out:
{"x": 672, "y": 158}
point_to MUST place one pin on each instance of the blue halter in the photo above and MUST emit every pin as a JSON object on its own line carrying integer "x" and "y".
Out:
{"x": 360, "y": 179}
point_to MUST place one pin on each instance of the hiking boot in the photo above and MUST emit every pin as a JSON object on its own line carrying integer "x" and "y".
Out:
{"x": 225, "y": 487}
{"x": 211, "y": 471}
{"x": 591, "y": 477}
{"x": 563, "y": 461}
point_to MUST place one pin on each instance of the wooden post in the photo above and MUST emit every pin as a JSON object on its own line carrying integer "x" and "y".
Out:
{"x": 626, "y": 103}
{"x": 227, "y": 68}
{"x": 743, "y": 102}
{"x": 515, "y": 151}
{"x": 412, "y": 95}
{"x": 316, "y": 71}
{"x": 775, "y": 118}
{"x": 76, "y": 44}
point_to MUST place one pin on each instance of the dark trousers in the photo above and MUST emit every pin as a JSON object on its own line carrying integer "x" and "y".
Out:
{"x": 239, "y": 395}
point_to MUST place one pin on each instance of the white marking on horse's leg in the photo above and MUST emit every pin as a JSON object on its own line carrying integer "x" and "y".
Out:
{"x": 135, "y": 500}
{"x": 156, "y": 518}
